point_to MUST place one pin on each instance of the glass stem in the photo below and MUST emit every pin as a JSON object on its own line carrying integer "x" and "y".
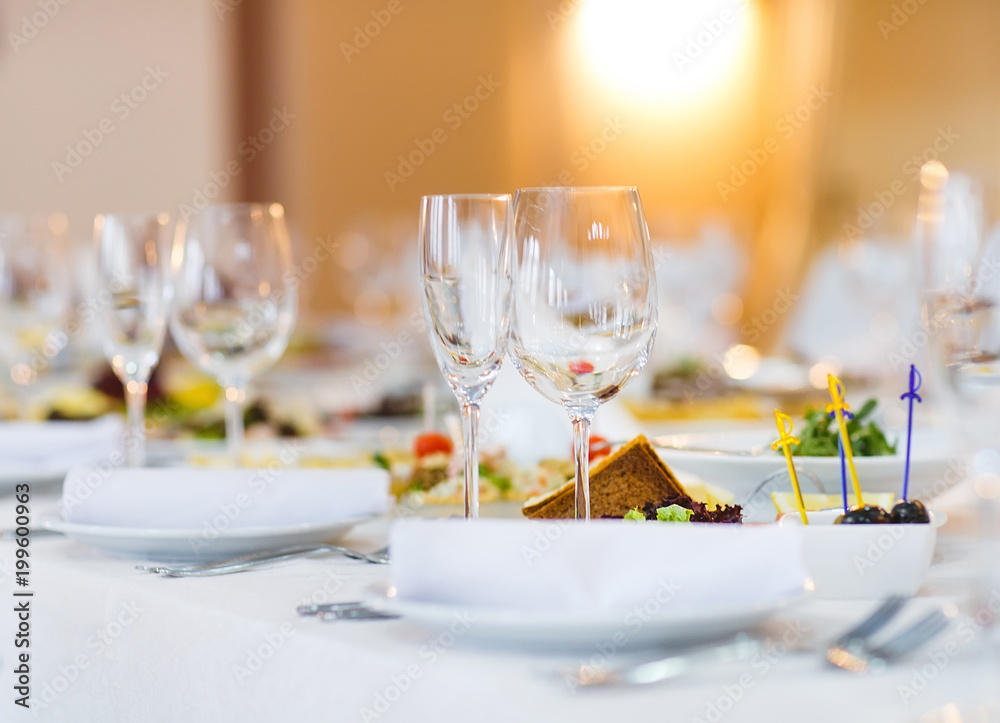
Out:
{"x": 236, "y": 395}
{"x": 470, "y": 433}
{"x": 581, "y": 453}
{"x": 135, "y": 407}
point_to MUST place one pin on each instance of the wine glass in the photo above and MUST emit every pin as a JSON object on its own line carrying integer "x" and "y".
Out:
{"x": 584, "y": 301}
{"x": 34, "y": 297}
{"x": 134, "y": 280}
{"x": 234, "y": 298}
{"x": 465, "y": 268}
{"x": 958, "y": 234}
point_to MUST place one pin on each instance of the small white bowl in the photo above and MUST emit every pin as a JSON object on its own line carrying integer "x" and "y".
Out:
{"x": 865, "y": 561}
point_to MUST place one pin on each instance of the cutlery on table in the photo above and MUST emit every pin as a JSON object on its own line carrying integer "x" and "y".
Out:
{"x": 260, "y": 559}
{"x": 730, "y": 650}
{"x": 858, "y": 654}
{"x": 853, "y": 651}
{"x": 343, "y": 611}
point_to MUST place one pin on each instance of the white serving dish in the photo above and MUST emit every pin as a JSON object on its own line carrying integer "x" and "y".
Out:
{"x": 739, "y": 460}
{"x": 865, "y": 561}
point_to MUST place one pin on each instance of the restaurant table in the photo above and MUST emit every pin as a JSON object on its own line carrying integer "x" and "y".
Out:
{"x": 110, "y": 643}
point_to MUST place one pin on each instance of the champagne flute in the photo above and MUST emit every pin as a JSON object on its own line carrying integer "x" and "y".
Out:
{"x": 234, "y": 303}
{"x": 34, "y": 297}
{"x": 465, "y": 267}
{"x": 134, "y": 277}
{"x": 584, "y": 301}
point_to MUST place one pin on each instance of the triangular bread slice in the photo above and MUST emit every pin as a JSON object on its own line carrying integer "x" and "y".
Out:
{"x": 631, "y": 477}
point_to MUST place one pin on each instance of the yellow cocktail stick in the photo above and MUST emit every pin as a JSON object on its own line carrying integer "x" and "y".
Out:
{"x": 785, "y": 441}
{"x": 838, "y": 406}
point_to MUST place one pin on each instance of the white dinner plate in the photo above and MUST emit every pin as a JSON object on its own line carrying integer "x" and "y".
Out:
{"x": 722, "y": 458}
{"x": 546, "y": 629}
{"x": 177, "y": 545}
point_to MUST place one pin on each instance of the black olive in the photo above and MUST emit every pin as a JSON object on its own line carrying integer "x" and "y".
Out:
{"x": 909, "y": 511}
{"x": 867, "y": 515}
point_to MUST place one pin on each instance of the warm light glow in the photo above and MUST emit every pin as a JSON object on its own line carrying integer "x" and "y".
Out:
{"x": 665, "y": 51}
{"x": 987, "y": 486}
{"x": 741, "y": 361}
{"x": 818, "y": 372}
{"x": 727, "y": 308}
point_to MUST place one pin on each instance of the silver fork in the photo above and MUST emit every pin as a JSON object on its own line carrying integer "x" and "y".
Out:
{"x": 861, "y": 656}
{"x": 853, "y": 646}
{"x": 260, "y": 559}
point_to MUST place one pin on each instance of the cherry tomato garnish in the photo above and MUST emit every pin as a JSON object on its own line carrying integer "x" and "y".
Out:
{"x": 432, "y": 443}
{"x": 599, "y": 447}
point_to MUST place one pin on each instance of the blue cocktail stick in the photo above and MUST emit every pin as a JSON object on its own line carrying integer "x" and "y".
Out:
{"x": 915, "y": 381}
{"x": 843, "y": 461}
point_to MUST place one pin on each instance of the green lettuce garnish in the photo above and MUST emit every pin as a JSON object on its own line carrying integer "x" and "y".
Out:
{"x": 673, "y": 513}
{"x": 635, "y": 514}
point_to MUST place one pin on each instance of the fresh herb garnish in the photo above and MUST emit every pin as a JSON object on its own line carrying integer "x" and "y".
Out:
{"x": 820, "y": 436}
{"x": 381, "y": 460}
{"x": 673, "y": 513}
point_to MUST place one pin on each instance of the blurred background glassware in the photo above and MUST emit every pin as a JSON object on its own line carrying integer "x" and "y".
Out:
{"x": 584, "y": 302}
{"x": 466, "y": 273}
{"x": 958, "y": 234}
{"x": 34, "y": 298}
{"x": 234, "y": 304}
{"x": 134, "y": 274}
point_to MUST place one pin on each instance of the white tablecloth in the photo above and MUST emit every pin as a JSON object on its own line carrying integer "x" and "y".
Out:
{"x": 111, "y": 644}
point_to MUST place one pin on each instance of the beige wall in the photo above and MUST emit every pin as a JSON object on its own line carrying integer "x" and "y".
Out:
{"x": 66, "y": 80}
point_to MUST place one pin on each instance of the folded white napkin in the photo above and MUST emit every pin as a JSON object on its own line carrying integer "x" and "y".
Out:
{"x": 40, "y": 448}
{"x": 190, "y": 498}
{"x": 605, "y": 565}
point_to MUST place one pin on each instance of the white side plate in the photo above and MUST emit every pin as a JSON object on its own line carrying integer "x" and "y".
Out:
{"x": 197, "y": 545}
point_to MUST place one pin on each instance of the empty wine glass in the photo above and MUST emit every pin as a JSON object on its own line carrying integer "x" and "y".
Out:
{"x": 465, "y": 267}
{"x": 958, "y": 233}
{"x": 234, "y": 303}
{"x": 584, "y": 301}
{"x": 34, "y": 297}
{"x": 134, "y": 278}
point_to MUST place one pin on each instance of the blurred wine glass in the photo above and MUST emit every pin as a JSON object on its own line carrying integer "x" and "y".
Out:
{"x": 958, "y": 230}
{"x": 34, "y": 298}
{"x": 584, "y": 301}
{"x": 234, "y": 303}
{"x": 134, "y": 278}
{"x": 465, "y": 268}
